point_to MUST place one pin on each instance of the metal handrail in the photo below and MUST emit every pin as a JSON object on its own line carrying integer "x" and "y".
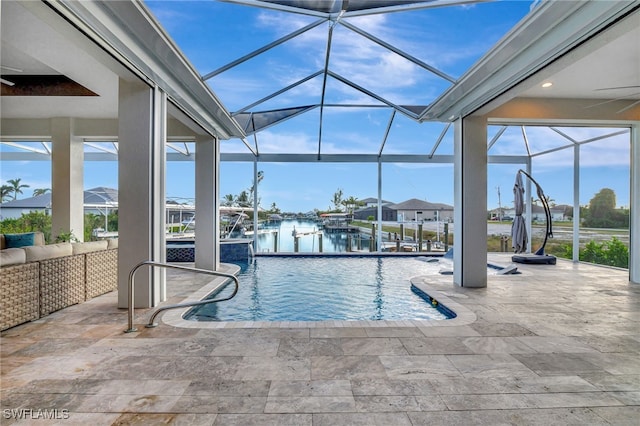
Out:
{"x": 179, "y": 305}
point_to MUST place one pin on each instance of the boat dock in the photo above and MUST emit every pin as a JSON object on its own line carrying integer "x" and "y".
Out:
{"x": 341, "y": 228}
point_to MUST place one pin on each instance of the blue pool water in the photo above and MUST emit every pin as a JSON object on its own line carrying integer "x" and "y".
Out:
{"x": 321, "y": 288}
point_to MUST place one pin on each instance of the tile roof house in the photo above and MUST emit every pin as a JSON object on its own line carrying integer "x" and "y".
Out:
{"x": 389, "y": 214}
{"x": 95, "y": 201}
{"x": 372, "y": 202}
{"x": 419, "y": 210}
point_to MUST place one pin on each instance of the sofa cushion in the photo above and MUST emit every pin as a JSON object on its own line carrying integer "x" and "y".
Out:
{"x": 38, "y": 239}
{"x": 20, "y": 240}
{"x": 90, "y": 246}
{"x": 50, "y": 251}
{"x": 12, "y": 256}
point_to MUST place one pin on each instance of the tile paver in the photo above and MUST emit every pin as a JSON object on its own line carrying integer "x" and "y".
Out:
{"x": 555, "y": 345}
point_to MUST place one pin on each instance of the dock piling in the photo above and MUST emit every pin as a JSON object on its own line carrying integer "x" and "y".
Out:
{"x": 446, "y": 236}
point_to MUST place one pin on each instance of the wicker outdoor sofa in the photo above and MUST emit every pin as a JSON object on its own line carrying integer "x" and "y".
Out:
{"x": 39, "y": 279}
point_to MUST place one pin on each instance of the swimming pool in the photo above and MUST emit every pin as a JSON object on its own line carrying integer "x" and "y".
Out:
{"x": 327, "y": 288}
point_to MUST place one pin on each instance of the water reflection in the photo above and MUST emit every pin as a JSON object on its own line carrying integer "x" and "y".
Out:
{"x": 311, "y": 238}
{"x": 378, "y": 301}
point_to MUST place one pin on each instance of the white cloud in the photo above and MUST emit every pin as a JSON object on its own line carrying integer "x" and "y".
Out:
{"x": 353, "y": 56}
{"x": 272, "y": 142}
{"x": 171, "y": 17}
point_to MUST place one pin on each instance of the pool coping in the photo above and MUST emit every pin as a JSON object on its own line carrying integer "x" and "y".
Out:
{"x": 464, "y": 316}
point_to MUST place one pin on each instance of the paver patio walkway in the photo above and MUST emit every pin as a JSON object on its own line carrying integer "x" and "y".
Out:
{"x": 556, "y": 345}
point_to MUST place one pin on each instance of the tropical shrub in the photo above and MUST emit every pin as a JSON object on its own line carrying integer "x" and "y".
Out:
{"x": 594, "y": 252}
{"x": 617, "y": 254}
{"x": 41, "y": 222}
{"x": 28, "y": 222}
{"x": 610, "y": 253}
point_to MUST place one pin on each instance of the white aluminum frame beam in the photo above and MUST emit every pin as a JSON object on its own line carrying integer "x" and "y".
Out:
{"x": 345, "y": 13}
{"x": 263, "y": 49}
{"x": 398, "y": 52}
{"x": 277, "y": 93}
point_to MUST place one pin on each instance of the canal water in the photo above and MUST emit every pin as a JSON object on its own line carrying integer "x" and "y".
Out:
{"x": 311, "y": 238}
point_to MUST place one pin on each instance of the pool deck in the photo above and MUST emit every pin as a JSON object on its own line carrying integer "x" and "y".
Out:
{"x": 555, "y": 345}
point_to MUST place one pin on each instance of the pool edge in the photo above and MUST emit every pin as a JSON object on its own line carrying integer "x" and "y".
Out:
{"x": 464, "y": 316}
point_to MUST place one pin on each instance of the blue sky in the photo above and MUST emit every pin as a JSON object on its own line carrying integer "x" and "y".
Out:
{"x": 451, "y": 39}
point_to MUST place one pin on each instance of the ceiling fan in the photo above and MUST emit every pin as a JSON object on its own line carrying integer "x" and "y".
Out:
{"x": 632, "y": 95}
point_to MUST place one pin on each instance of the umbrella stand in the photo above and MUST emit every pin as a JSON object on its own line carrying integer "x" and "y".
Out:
{"x": 539, "y": 257}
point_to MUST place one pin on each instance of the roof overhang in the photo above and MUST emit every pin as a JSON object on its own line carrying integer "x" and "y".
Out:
{"x": 550, "y": 31}
{"x": 129, "y": 33}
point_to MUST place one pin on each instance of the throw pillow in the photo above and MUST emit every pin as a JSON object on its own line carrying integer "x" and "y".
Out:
{"x": 20, "y": 240}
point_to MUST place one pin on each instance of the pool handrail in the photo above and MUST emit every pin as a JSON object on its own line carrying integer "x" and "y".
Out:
{"x": 151, "y": 323}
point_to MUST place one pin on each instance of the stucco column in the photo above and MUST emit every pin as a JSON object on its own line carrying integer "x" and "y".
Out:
{"x": 255, "y": 204}
{"x": 470, "y": 202}
{"x": 634, "y": 206}
{"x": 207, "y": 203}
{"x": 141, "y": 191}
{"x": 67, "y": 180}
{"x": 576, "y": 204}
{"x": 379, "y": 209}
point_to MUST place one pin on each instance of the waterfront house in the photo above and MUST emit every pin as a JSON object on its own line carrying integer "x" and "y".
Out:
{"x": 415, "y": 210}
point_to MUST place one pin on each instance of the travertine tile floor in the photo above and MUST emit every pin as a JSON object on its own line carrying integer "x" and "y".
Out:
{"x": 556, "y": 345}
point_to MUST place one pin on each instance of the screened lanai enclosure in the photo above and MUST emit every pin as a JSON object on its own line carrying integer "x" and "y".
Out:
{"x": 327, "y": 82}
{"x": 388, "y": 99}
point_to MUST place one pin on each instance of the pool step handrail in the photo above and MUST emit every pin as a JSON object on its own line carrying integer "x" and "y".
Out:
{"x": 151, "y": 323}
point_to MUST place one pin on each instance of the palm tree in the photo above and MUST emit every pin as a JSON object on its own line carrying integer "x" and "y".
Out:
{"x": 243, "y": 199}
{"x": 337, "y": 199}
{"x": 16, "y": 187}
{"x": 350, "y": 203}
{"x": 40, "y": 191}
{"x": 550, "y": 201}
{"x": 5, "y": 192}
{"x": 229, "y": 200}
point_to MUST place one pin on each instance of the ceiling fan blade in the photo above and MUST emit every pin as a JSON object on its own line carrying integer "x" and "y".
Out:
{"x": 619, "y": 87}
{"x": 612, "y": 100}
{"x": 4, "y": 67}
{"x": 628, "y": 107}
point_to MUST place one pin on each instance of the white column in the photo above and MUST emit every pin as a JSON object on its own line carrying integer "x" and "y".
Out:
{"x": 67, "y": 180}
{"x": 141, "y": 193}
{"x": 528, "y": 194}
{"x": 470, "y": 202}
{"x": 255, "y": 204}
{"x": 207, "y": 203}
{"x": 576, "y": 203}
{"x": 634, "y": 206}
{"x": 379, "y": 207}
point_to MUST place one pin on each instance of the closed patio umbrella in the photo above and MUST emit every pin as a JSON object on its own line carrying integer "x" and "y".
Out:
{"x": 519, "y": 236}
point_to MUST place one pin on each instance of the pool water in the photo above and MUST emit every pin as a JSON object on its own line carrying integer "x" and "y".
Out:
{"x": 326, "y": 288}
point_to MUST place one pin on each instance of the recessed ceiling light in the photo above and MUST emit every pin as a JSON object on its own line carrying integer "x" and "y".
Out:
{"x": 547, "y": 84}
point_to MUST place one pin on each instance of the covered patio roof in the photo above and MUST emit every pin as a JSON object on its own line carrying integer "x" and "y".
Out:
{"x": 587, "y": 49}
